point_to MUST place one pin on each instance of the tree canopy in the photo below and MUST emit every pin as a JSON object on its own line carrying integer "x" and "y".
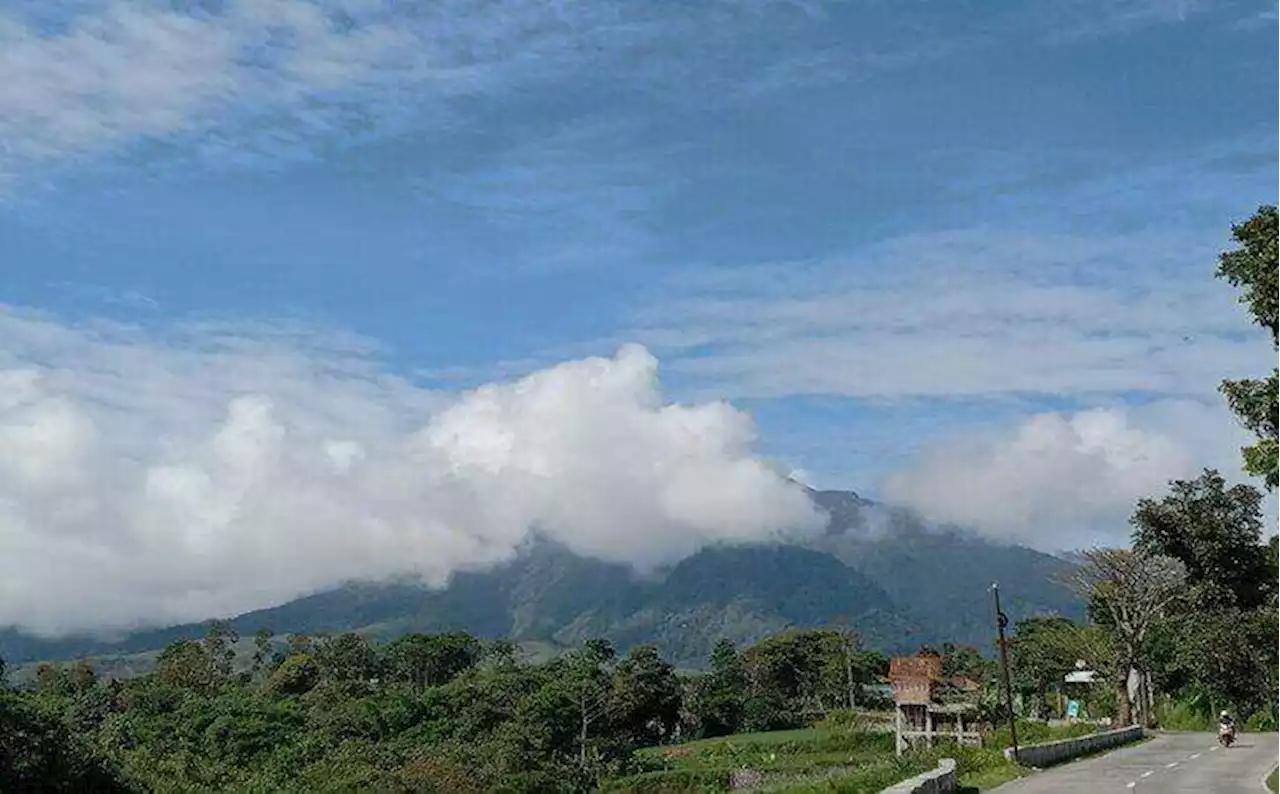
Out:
{"x": 1254, "y": 268}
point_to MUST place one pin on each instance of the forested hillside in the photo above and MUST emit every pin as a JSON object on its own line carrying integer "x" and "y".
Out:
{"x": 900, "y": 584}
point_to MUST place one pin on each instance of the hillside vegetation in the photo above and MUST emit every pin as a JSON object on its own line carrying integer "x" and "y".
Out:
{"x": 900, "y": 586}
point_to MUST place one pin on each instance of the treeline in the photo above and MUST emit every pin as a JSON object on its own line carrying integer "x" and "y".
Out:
{"x": 423, "y": 713}
{"x": 1183, "y": 624}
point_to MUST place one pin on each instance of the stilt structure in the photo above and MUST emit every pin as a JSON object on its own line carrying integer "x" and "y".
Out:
{"x": 918, "y": 714}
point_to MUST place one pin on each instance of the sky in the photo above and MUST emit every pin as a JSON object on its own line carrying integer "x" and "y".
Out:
{"x": 298, "y": 291}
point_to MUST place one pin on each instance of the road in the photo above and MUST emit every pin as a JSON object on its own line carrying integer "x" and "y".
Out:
{"x": 1171, "y": 763}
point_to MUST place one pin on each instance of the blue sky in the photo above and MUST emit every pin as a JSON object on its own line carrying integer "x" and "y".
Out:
{"x": 917, "y": 241}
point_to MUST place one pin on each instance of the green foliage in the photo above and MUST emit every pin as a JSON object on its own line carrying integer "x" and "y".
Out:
{"x": 450, "y": 716}
{"x": 430, "y": 660}
{"x": 1252, "y": 268}
{"x": 297, "y": 674}
{"x": 718, "y": 697}
{"x": 1216, "y": 532}
{"x": 1044, "y": 650}
{"x": 645, "y": 701}
{"x": 40, "y": 753}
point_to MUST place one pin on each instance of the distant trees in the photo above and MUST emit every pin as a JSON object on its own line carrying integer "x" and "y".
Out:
{"x": 442, "y": 712}
{"x": 1043, "y": 650}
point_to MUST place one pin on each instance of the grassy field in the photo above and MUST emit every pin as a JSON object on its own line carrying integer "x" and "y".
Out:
{"x": 833, "y": 759}
{"x": 863, "y": 761}
{"x": 1273, "y": 780}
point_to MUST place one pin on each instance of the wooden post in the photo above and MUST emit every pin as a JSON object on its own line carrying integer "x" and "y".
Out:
{"x": 1001, "y": 622}
{"x": 897, "y": 728}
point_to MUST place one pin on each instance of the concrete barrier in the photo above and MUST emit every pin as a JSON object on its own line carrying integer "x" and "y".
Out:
{"x": 1050, "y": 753}
{"x": 941, "y": 779}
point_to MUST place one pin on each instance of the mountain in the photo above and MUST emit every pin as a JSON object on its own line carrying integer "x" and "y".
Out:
{"x": 898, "y": 581}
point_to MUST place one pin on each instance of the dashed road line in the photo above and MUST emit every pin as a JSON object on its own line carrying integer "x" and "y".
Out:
{"x": 1131, "y": 784}
{"x": 1194, "y": 756}
{"x": 1171, "y": 765}
{"x": 1148, "y": 773}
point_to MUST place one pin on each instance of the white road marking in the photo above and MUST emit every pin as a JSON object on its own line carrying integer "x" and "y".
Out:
{"x": 1131, "y": 785}
{"x": 1171, "y": 766}
{"x": 1148, "y": 773}
{"x": 1213, "y": 749}
{"x": 1194, "y": 756}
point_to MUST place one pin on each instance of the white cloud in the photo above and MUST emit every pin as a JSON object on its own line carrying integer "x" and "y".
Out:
{"x": 246, "y": 81}
{"x": 1059, "y": 481}
{"x": 268, "y": 74}
{"x": 150, "y": 477}
{"x": 972, "y": 313}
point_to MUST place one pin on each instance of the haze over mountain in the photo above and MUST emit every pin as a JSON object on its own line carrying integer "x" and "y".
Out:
{"x": 882, "y": 571}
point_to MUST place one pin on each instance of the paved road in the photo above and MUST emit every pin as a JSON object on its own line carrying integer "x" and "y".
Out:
{"x": 1176, "y": 763}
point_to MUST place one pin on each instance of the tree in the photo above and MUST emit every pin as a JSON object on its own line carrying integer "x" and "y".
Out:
{"x": 40, "y": 753}
{"x": 430, "y": 659}
{"x": 1044, "y": 651}
{"x": 261, "y": 654}
{"x": 220, "y": 641}
{"x": 1216, "y": 533}
{"x": 83, "y": 676}
{"x": 347, "y": 657}
{"x": 1132, "y": 590}
{"x": 645, "y": 701}
{"x": 587, "y": 678}
{"x": 719, "y": 693}
{"x": 1254, "y": 268}
{"x": 187, "y": 664}
{"x": 802, "y": 669}
{"x": 296, "y": 675}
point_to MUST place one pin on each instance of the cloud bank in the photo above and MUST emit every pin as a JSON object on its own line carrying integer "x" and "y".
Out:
{"x": 154, "y": 477}
{"x": 1060, "y": 481}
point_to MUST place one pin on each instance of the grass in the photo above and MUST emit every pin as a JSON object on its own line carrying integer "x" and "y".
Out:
{"x": 827, "y": 758}
{"x": 1273, "y": 780}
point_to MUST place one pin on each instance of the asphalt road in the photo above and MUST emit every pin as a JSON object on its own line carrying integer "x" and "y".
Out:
{"x": 1171, "y": 763}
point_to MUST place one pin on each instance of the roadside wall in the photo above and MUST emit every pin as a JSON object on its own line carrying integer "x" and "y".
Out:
{"x": 939, "y": 780}
{"x": 1050, "y": 753}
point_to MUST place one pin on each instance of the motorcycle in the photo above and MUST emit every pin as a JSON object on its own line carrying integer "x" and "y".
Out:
{"x": 1226, "y": 735}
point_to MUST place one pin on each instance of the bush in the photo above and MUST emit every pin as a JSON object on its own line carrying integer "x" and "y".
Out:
{"x": 1183, "y": 715}
{"x": 1262, "y": 722}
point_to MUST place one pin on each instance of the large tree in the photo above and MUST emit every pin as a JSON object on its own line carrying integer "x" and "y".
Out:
{"x": 1216, "y": 532}
{"x": 645, "y": 700}
{"x": 1131, "y": 591}
{"x": 1254, "y": 269}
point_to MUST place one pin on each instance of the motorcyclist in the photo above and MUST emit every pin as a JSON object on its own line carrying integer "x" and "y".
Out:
{"x": 1225, "y": 723}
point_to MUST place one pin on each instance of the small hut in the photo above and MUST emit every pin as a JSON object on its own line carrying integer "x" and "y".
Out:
{"x": 926, "y": 707}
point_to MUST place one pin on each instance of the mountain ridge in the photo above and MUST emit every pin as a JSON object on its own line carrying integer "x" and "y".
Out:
{"x": 879, "y": 570}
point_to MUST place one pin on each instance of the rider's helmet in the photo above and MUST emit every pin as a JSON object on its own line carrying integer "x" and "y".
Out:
{"x": 1222, "y": 716}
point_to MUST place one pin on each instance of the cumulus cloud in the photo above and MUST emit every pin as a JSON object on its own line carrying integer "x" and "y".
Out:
{"x": 1059, "y": 481}
{"x": 150, "y": 477}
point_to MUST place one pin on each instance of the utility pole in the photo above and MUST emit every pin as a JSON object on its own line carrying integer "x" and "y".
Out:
{"x": 1002, "y": 621}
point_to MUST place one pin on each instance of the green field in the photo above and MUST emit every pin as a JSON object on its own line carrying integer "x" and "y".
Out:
{"x": 1273, "y": 780}
{"x": 821, "y": 759}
